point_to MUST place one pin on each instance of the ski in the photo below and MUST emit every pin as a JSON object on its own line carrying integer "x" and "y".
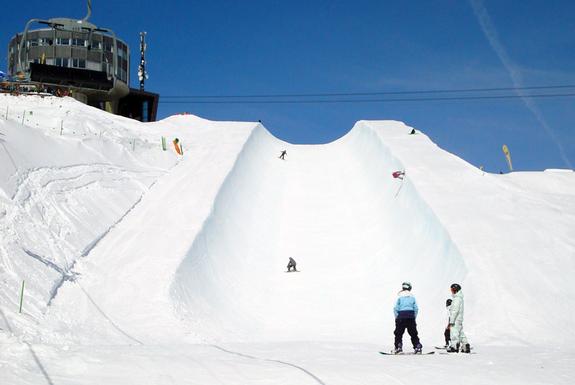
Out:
{"x": 406, "y": 354}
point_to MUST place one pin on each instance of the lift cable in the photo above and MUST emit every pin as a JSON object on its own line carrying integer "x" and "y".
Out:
{"x": 438, "y": 91}
{"x": 325, "y": 101}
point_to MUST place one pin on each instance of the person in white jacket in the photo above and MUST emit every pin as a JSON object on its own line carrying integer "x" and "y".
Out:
{"x": 458, "y": 341}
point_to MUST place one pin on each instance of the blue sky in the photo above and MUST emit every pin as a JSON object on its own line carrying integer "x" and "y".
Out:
{"x": 286, "y": 47}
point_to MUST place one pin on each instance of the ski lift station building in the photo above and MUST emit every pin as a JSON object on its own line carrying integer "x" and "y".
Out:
{"x": 77, "y": 55}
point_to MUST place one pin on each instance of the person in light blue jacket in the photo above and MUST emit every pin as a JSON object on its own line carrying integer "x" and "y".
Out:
{"x": 405, "y": 311}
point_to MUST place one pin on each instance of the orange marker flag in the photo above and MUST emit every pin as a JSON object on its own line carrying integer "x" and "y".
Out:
{"x": 177, "y": 146}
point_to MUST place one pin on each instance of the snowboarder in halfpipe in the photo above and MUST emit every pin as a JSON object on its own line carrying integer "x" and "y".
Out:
{"x": 291, "y": 265}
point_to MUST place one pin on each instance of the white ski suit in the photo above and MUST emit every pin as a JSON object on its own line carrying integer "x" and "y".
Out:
{"x": 456, "y": 321}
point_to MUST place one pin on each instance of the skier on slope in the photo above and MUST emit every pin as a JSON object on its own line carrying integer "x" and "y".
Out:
{"x": 446, "y": 334}
{"x": 458, "y": 341}
{"x": 283, "y": 154}
{"x": 405, "y": 311}
{"x": 291, "y": 265}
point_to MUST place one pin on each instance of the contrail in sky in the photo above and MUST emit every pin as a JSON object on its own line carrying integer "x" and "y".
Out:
{"x": 515, "y": 73}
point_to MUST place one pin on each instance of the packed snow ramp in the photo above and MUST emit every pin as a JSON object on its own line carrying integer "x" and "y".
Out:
{"x": 355, "y": 231}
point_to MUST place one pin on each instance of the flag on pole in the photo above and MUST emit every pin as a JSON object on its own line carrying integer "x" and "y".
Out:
{"x": 508, "y": 157}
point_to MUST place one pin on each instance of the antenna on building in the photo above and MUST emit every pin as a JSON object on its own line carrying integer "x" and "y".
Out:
{"x": 89, "y": 11}
{"x": 142, "y": 74}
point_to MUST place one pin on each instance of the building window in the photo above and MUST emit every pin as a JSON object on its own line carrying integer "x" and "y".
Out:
{"x": 62, "y": 41}
{"x": 44, "y": 41}
{"x": 78, "y": 63}
{"x": 32, "y": 43}
{"x": 96, "y": 44}
{"x": 79, "y": 42}
{"x": 62, "y": 61}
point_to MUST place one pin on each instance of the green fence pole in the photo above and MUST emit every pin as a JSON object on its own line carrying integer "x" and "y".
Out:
{"x": 21, "y": 296}
{"x": 163, "y": 143}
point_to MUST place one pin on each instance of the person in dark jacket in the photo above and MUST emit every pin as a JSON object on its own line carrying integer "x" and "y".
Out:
{"x": 283, "y": 154}
{"x": 291, "y": 265}
{"x": 447, "y": 332}
{"x": 405, "y": 311}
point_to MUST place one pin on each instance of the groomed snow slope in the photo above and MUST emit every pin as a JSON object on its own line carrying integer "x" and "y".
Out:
{"x": 146, "y": 259}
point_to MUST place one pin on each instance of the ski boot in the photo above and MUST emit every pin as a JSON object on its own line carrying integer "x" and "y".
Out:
{"x": 398, "y": 349}
{"x": 417, "y": 349}
{"x": 466, "y": 349}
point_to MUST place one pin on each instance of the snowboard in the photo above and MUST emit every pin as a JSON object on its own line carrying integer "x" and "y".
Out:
{"x": 444, "y": 348}
{"x": 293, "y": 271}
{"x": 406, "y": 354}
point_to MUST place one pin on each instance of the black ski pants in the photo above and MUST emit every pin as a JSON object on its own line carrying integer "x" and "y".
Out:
{"x": 405, "y": 323}
{"x": 447, "y": 336}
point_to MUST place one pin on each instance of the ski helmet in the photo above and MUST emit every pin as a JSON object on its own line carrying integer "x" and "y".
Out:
{"x": 406, "y": 286}
{"x": 448, "y": 303}
{"x": 455, "y": 287}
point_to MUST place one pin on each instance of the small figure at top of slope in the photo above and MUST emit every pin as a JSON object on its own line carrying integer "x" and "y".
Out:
{"x": 458, "y": 341}
{"x": 291, "y": 265}
{"x": 398, "y": 174}
{"x": 405, "y": 311}
{"x": 447, "y": 332}
{"x": 283, "y": 154}
{"x": 412, "y": 131}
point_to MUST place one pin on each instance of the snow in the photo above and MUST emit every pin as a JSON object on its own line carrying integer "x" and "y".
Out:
{"x": 142, "y": 266}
